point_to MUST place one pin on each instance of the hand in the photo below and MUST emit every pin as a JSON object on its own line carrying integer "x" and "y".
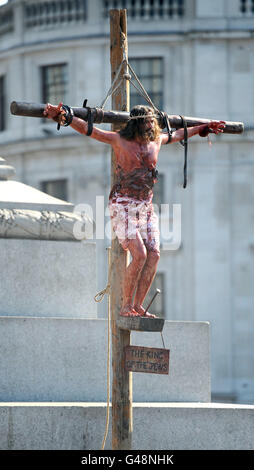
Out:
{"x": 216, "y": 127}
{"x": 54, "y": 112}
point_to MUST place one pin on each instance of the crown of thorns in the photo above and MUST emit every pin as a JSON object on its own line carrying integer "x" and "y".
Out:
{"x": 143, "y": 116}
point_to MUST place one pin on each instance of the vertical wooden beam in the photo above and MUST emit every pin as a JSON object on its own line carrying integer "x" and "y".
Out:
{"x": 122, "y": 380}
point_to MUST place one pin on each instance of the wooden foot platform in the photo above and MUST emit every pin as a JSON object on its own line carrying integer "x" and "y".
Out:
{"x": 140, "y": 323}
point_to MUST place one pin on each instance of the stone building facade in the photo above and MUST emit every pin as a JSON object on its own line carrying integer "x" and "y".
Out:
{"x": 194, "y": 57}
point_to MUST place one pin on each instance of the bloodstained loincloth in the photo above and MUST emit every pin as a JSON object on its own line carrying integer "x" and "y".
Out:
{"x": 131, "y": 208}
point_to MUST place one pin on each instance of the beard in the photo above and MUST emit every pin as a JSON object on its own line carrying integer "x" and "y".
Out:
{"x": 148, "y": 135}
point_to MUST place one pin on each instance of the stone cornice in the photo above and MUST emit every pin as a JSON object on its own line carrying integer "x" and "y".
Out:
{"x": 44, "y": 225}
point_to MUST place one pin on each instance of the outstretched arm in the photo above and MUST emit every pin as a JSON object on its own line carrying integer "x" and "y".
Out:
{"x": 215, "y": 127}
{"x": 57, "y": 114}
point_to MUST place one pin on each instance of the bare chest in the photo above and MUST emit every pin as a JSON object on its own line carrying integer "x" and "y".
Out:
{"x": 137, "y": 155}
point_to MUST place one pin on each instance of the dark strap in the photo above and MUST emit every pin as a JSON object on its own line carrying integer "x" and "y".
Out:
{"x": 89, "y": 118}
{"x": 185, "y": 144}
{"x": 68, "y": 116}
{"x": 166, "y": 124}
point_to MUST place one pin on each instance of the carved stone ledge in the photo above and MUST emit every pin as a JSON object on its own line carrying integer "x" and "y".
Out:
{"x": 44, "y": 225}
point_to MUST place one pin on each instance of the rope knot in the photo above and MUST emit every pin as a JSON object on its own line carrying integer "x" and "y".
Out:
{"x": 99, "y": 297}
{"x": 127, "y": 76}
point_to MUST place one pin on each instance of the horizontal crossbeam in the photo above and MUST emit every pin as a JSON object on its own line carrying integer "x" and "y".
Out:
{"x": 23, "y": 108}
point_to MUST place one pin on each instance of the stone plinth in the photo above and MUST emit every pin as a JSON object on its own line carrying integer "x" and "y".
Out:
{"x": 156, "y": 426}
{"x": 59, "y": 359}
{"x": 44, "y": 278}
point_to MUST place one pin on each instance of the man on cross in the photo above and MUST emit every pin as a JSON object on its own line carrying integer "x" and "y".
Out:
{"x": 134, "y": 221}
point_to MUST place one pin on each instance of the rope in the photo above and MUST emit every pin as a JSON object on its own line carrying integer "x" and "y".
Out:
{"x": 98, "y": 298}
{"x": 112, "y": 89}
{"x": 127, "y": 76}
{"x": 145, "y": 94}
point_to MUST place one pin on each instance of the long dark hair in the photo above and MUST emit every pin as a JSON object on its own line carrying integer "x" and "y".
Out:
{"x": 135, "y": 127}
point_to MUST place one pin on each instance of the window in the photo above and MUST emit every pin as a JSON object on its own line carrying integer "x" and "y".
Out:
{"x": 150, "y": 73}
{"x": 6, "y": 19}
{"x": 54, "y": 83}
{"x": 247, "y": 7}
{"x": 55, "y": 188}
{"x": 2, "y": 103}
{"x": 158, "y": 305}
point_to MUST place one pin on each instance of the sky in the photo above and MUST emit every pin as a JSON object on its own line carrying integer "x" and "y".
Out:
{"x": 2, "y": 2}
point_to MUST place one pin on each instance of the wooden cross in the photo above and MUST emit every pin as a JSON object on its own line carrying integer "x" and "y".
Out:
{"x": 122, "y": 379}
{"x": 122, "y": 420}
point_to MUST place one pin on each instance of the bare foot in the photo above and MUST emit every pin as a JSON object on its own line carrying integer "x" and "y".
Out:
{"x": 142, "y": 313}
{"x": 129, "y": 311}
